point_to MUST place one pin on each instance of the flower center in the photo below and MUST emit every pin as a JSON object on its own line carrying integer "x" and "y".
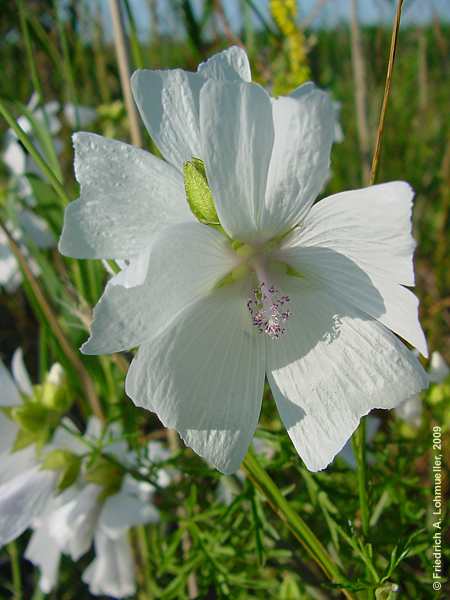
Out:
{"x": 268, "y": 307}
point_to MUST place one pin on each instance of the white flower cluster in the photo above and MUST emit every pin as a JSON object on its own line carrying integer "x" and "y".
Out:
{"x": 68, "y": 501}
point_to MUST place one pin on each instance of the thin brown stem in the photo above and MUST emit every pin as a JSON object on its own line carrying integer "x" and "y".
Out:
{"x": 387, "y": 91}
{"x": 123, "y": 62}
{"x": 66, "y": 347}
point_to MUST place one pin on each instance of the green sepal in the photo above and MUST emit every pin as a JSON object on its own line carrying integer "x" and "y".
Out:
{"x": 7, "y": 411}
{"x": 30, "y": 416}
{"x": 67, "y": 463}
{"x": 105, "y": 474}
{"x": 26, "y": 438}
{"x": 198, "y": 194}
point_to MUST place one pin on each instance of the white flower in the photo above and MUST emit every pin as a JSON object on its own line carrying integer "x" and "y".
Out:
{"x": 324, "y": 283}
{"x": 82, "y": 516}
{"x": 25, "y": 489}
{"x": 411, "y": 410}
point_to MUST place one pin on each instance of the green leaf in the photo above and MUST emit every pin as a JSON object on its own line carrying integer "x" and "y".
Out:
{"x": 198, "y": 194}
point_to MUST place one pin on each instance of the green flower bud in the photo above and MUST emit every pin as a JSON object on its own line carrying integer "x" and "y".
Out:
{"x": 198, "y": 194}
{"x": 55, "y": 392}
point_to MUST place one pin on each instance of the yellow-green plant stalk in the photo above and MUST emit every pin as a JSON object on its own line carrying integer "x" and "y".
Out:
{"x": 284, "y": 13}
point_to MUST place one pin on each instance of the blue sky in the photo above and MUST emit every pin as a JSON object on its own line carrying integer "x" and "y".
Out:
{"x": 332, "y": 12}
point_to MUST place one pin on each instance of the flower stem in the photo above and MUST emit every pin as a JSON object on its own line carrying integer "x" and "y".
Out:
{"x": 295, "y": 523}
{"x": 15, "y": 566}
{"x": 145, "y": 557}
{"x": 359, "y": 448}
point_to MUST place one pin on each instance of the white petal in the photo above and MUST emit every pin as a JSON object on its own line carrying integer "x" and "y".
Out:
{"x": 20, "y": 373}
{"x": 111, "y": 573}
{"x": 8, "y": 432}
{"x": 439, "y": 369}
{"x": 10, "y": 276}
{"x": 72, "y": 525}
{"x": 10, "y": 394}
{"x": 390, "y": 303}
{"x": 237, "y": 136}
{"x": 168, "y": 104}
{"x": 230, "y": 65}
{"x": 372, "y": 226}
{"x": 13, "y": 464}
{"x": 126, "y": 196}
{"x": 299, "y": 167}
{"x": 14, "y": 155}
{"x": 186, "y": 262}
{"x": 45, "y": 555}
{"x": 350, "y": 247}
{"x": 204, "y": 377}
{"x": 123, "y": 511}
{"x": 334, "y": 366}
{"x": 133, "y": 273}
{"x": 22, "y": 499}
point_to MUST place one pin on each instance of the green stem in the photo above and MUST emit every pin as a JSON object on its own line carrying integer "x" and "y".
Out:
{"x": 145, "y": 558}
{"x": 359, "y": 448}
{"x": 69, "y": 76}
{"x": 28, "y": 49}
{"x": 136, "y": 50}
{"x": 40, "y": 162}
{"x": 295, "y": 523}
{"x": 15, "y": 566}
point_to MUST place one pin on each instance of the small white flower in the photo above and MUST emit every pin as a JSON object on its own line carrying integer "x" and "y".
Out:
{"x": 305, "y": 295}
{"x": 25, "y": 489}
{"x": 411, "y": 410}
{"x": 82, "y": 515}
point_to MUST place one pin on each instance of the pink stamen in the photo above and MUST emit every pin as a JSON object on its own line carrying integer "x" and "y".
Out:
{"x": 267, "y": 307}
